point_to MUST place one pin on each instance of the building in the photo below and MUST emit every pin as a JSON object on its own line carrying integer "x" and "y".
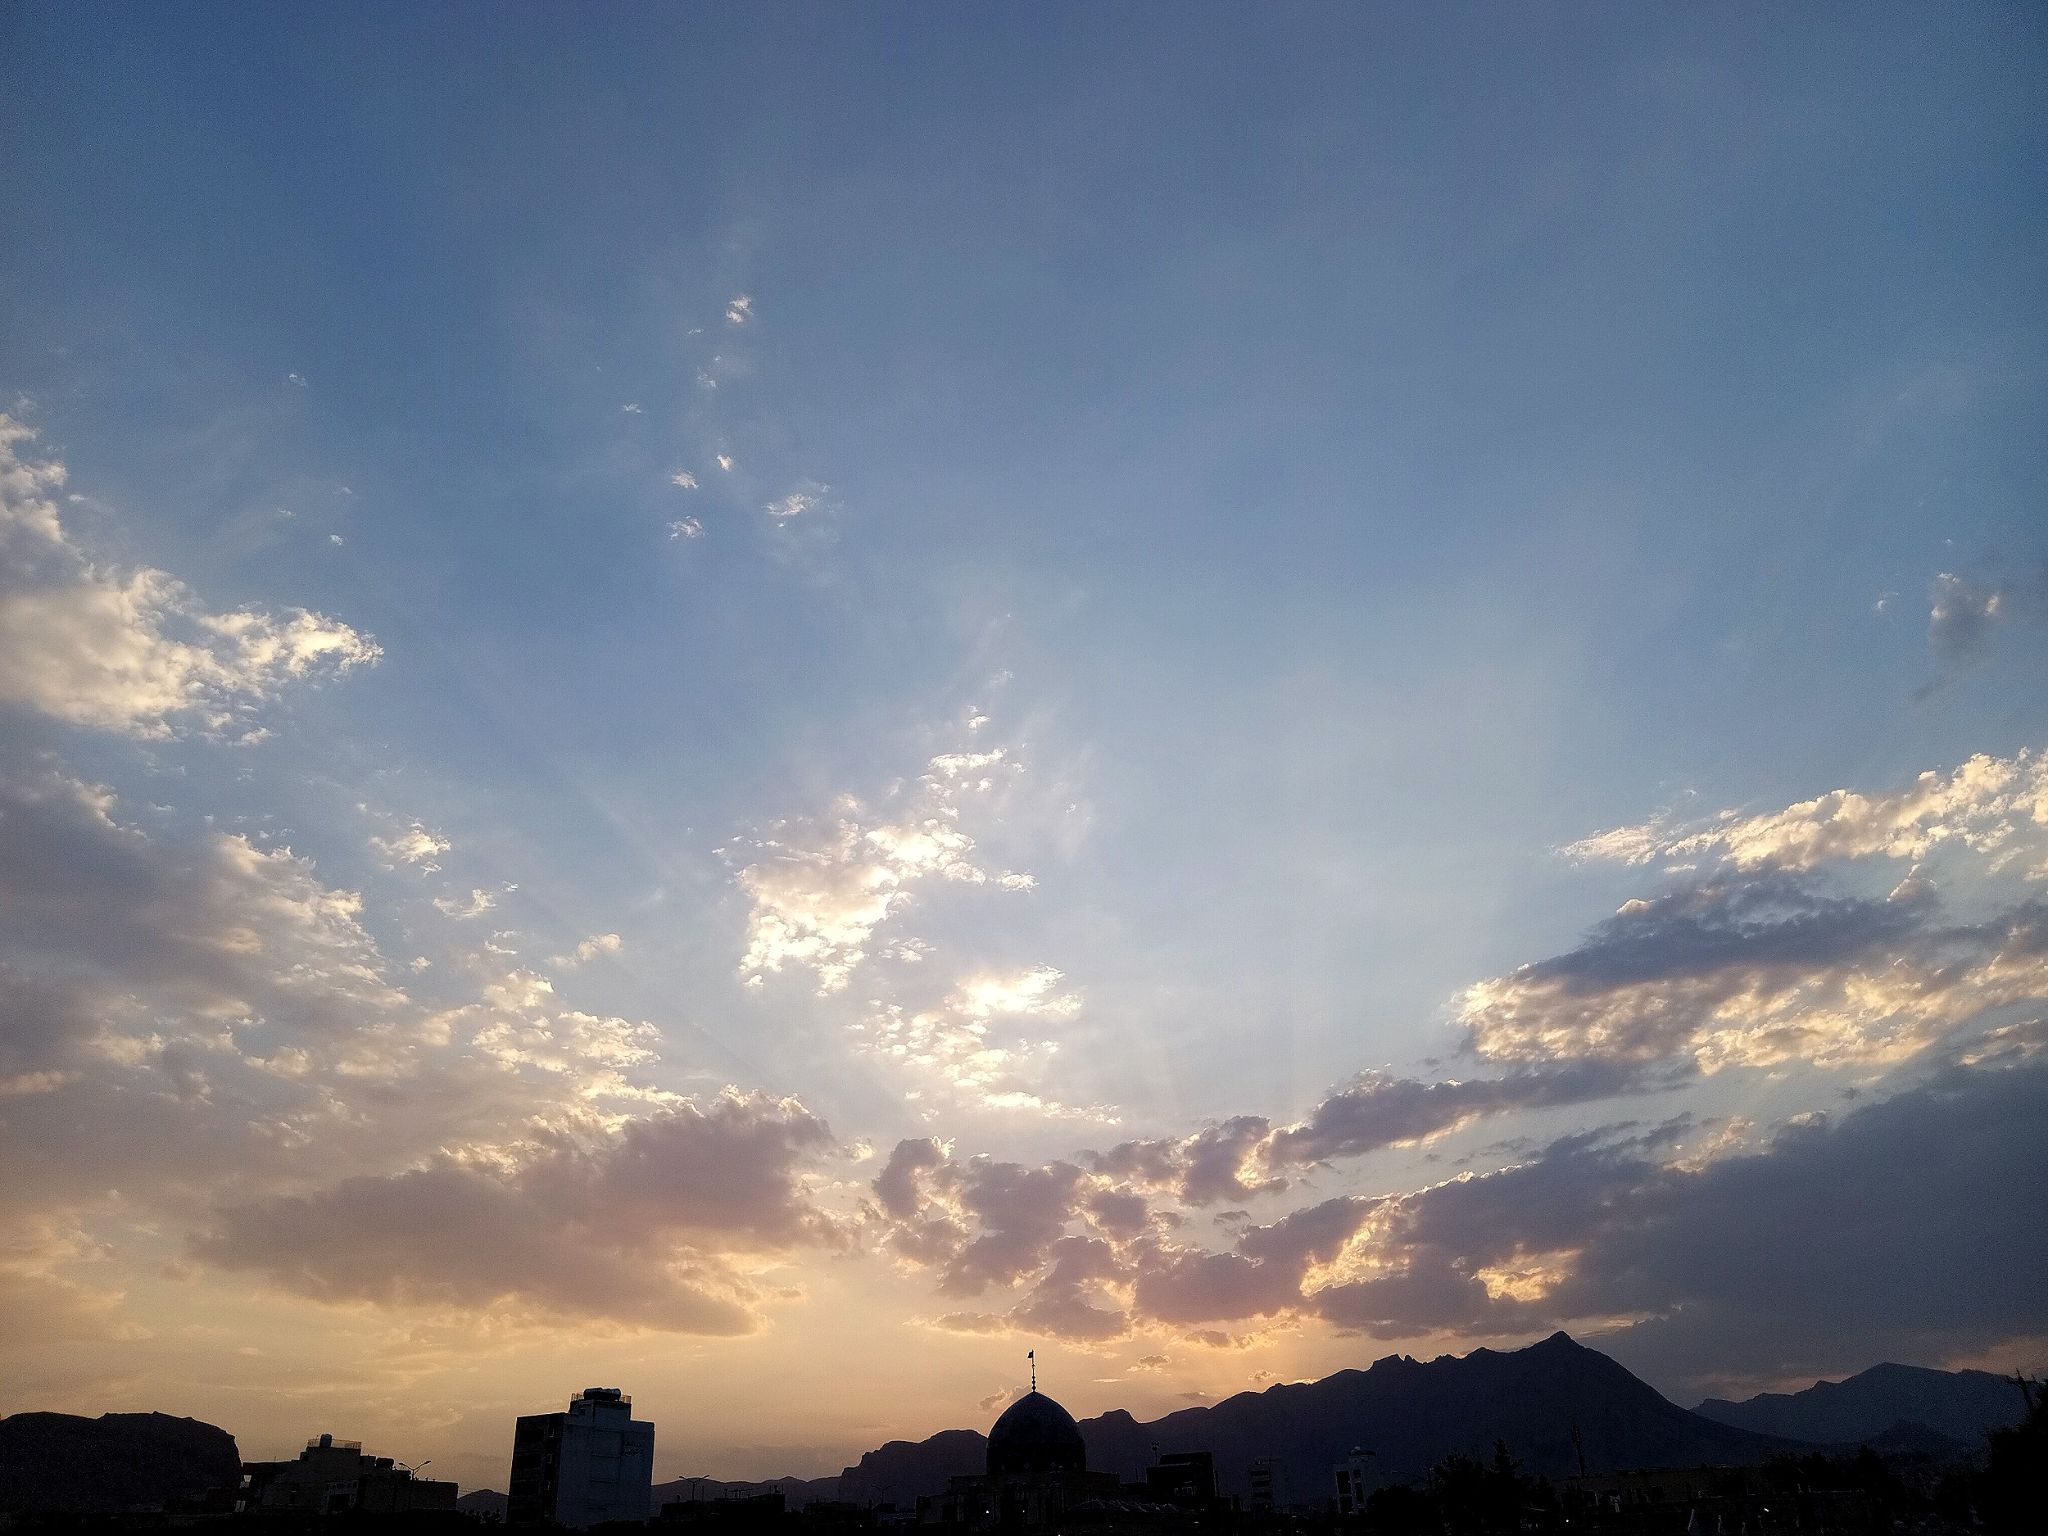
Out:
{"x": 1267, "y": 1480}
{"x": 1037, "y": 1472}
{"x": 1357, "y": 1476}
{"x": 593, "y": 1463}
{"x": 332, "y": 1477}
{"x": 1183, "y": 1478}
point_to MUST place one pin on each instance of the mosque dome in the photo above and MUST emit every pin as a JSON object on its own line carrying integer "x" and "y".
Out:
{"x": 1035, "y": 1434}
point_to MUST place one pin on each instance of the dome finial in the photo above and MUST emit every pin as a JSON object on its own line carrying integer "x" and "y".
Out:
{"x": 1032, "y": 1356}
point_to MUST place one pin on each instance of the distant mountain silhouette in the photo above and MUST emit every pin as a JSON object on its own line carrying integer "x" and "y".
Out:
{"x": 1960, "y": 1405}
{"x": 60, "y": 1462}
{"x": 901, "y": 1470}
{"x": 487, "y": 1502}
{"x": 1409, "y": 1413}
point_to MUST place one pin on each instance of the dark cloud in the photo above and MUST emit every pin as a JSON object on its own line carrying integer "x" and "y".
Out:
{"x": 211, "y": 926}
{"x": 1261, "y": 1277}
{"x": 1913, "y": 1227}
{"x": 1216, "y": 1163}
{"x": 1019, "y": 1213}
{"x": 899, "y": 1185}
{"x": 1374, "y": 1111}
{"x": 632, "y": 1226}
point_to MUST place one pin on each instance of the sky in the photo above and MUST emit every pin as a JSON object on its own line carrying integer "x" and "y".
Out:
{"x": 765, "y": 703}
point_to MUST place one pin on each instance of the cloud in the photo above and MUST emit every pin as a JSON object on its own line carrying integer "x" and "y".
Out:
{"x": 1832, "y": 1243}
{"x": 631, "y": 409}
{"x": 739, "y": 311}
{"x": 1375, "y": 1111}
{"x": 952, "y": 1044}
{"x": 1028, "y": 993}
{"x": 193, "y": 1019}
{"x": 818, "y": 890}
{"x": 724, "y": 462}
{"x": 637, "y": 1225}
{"x": 587, "y": 951}
{"x": 215, "y": 927}
{"x": 809, "y": 496}
{"x": 1823, "y": 1244}
{"x": 1218, "y": 1163}
{"x": 475, "y": 904}
{"x": 409, "y": 843}
{"x": 132, "y": 650}
{"x": 1965, "y": 615}
{"x": 1985, "y": 805}
{"x": 1264, "y": 1276}
{"x": 686, "y": 528}
{"x": 1759, "y": 971}
{"x": 683, "y": 480}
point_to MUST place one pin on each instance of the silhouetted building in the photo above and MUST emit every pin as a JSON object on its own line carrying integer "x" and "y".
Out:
{"x": 729, "y": 1512}
{"x": 1267, "y": 1480}
{"x": 1357, "y": 1476}
{"x": 1037, "y": 1471}
{"x": 1184, "y": 1478}
{"x": 593, "y": 1463}
{"x": 332, "y": 1477}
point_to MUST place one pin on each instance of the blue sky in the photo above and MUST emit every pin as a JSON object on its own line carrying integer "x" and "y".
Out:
{"x": 1341, "y": 457}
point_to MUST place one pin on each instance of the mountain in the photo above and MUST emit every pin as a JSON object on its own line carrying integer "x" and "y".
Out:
{"x": 901, "y": 1470}
{"x": 1410, "y": 1414}
{"x": 487, "y": 1503}
{"x": 1961, "y": 1405}
{"x": 59, "y": 1462}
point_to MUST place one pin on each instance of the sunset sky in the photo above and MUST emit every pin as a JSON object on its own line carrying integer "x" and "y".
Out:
{"x": 764, "y": 703}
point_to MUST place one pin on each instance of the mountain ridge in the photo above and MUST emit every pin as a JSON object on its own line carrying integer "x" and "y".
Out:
{"x": 1960, "y": 1405}
{"x": 1550, "y": 1402}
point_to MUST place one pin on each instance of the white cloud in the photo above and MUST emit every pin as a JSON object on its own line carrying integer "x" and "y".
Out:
{"x": 686, "y": 528}
{"x": 1031, "y": 993}
{"x": 1983, "y": 805}
{"x": 1763, "y": 970}
{"x": 683, "y": 480}
{"x": 134, "y": 651}
{"x": 807, "y": 497}
{"x": 725, "y": 462}
{"x": 475, "y": 904}
{"x": 410, "y": 843}
{"x": 587, "y": 951}
{"x": 819, "y": 889}
{"x": 739, "y": 311}
{"x": 632, "y": 408}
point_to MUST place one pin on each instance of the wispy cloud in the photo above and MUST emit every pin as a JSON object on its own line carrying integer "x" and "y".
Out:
{"x": 809, "y": 497}
{"x": 475, "y": 904}
{"x": 818, "y": 889}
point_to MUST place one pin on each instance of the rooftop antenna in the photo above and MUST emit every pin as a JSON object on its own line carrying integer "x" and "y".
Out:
{"x": 1032, "y": 1356}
